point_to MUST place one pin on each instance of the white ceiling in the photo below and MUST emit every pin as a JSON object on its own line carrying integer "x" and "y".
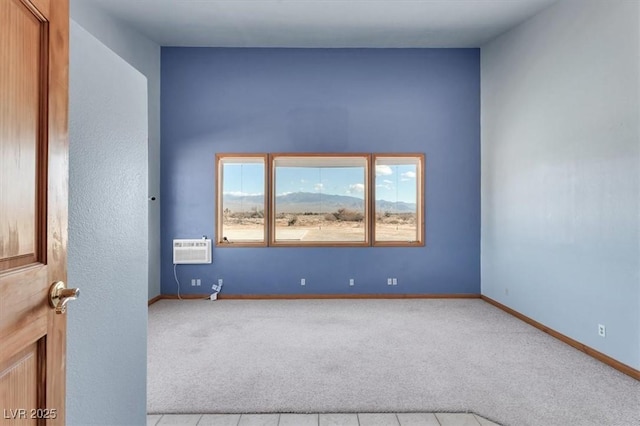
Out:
{"x": 322, "y": 23}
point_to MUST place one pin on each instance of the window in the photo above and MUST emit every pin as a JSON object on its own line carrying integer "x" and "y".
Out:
{"x": 399, "y": 218}
{"x": 241, "y": 200}
{"x": 320, "y": 200}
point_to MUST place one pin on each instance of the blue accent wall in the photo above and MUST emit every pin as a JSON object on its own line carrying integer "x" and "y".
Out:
{"x": 323, "y": 100}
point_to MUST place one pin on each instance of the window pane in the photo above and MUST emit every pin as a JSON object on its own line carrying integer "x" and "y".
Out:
{"x": 242, "y": 207}
{"x": 398, "y": 215}
{"x": 320, "y": 199}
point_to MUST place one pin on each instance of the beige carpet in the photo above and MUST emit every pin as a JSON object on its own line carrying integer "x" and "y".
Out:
{"x": 375, "y": 356}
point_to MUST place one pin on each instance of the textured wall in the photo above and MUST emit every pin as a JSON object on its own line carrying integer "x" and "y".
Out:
{"x": 106, "y": 384}
{"x": 561, "y": 171}
{"x": 324, "y": 100}
{"x": 144, "y": 55}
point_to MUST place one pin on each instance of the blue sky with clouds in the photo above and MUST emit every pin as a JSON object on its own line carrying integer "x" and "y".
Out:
{"x": 393, "y": 182}
{"x": 243, "y": 179}
{"x": 396, "y": 183}
{"x": 327, "y": 180}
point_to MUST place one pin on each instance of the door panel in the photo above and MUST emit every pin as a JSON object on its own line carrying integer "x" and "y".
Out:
{"x": 33, "y": 208}
{"x": 21, "y": 375}
{"x": 22, "y": 117}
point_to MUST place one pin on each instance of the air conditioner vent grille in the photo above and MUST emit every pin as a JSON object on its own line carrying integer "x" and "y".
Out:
{"x": 191, "y": 251}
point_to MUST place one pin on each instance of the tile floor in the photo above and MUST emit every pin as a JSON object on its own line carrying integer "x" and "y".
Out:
{"x": 359, "y": 419}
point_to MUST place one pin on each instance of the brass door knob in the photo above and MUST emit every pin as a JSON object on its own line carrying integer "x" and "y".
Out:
{"x": 59, "y": 296}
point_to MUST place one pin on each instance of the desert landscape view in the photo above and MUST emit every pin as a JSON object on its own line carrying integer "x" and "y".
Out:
{"x": 305, "y": 218}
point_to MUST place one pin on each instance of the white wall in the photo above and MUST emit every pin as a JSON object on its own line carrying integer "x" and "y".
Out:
{"x": 561, "y": 172}
{"x": 144, "y": 55}
{"x": 108, "y": 241}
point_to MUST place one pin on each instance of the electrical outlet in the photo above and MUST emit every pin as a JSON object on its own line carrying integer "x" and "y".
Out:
{"x": 193, "y": 282}
{"x": 395, "y": 281}
{"x": 198, "y": 282}
{"x": 352, "y": 281}
{"x": 219, "y": 281}
{"x": 602, "y": 330}
{"x": 303, "y": 281}
{"x": 389, "y": 281}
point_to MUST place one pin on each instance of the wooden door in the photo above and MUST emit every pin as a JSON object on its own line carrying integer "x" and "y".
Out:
{"x": 34, "y": 61}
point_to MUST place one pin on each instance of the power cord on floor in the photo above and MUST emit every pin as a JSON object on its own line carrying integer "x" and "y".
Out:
{"x": 175, "y": 275}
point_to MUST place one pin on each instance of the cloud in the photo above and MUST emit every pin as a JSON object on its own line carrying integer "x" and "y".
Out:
{"x": 241, "y": 194}
{"x": 355, "y": 188}
{"x": 282, "y": 194}
{"x": 318, "y": 186}
{"x": 409, "y": 175}
{"x": 383, "y": 170}
{"x": 385, "y": 184}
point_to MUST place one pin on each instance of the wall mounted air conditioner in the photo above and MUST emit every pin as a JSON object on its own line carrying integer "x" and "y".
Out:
{"x": 191, "y": 251}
